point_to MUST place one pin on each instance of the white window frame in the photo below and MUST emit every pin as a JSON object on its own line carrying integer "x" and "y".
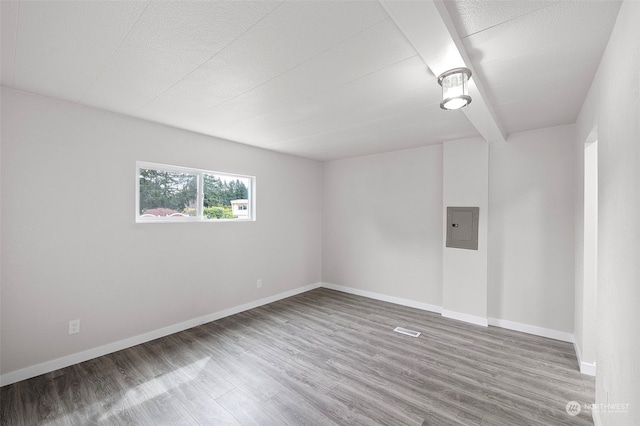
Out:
{"x": 199, "y": 217}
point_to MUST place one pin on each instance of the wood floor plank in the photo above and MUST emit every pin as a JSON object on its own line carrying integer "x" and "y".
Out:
{"x": 319, "y": 358}
{"x": 296, "y": 410}
{"x": 248, "y": 411}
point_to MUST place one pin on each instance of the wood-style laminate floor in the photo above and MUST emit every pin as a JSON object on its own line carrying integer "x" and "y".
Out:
{"x": 319, "y": 358}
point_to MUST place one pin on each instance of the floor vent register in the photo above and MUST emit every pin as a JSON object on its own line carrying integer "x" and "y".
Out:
{"x": 407, "y": 332}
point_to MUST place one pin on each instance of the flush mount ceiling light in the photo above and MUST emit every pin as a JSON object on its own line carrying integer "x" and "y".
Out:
{"x": 455, "y": 90}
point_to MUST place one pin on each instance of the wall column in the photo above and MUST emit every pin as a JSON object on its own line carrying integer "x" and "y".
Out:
{"x": 466, "y": 184}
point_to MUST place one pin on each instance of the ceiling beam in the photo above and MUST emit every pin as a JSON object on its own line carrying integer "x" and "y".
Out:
{"x": 429, "y": 28}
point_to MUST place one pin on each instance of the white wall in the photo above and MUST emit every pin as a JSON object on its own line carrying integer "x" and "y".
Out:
{"x": 586, "y": 288}
{"x": 531, "y": 252}
{"x": 585, "y": 267}
{"x": 1, "y": 202}
{"x": 382, "y": 218}
{"x": 523, "y": 275}
{"x": 71, "y": 247}
{"x": 465, "y": 184}
{"x": 613, "y": 105}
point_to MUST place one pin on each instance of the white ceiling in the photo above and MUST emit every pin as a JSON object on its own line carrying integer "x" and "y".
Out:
{"x": 318, "y": 79}
{"x": 538, "y": 58}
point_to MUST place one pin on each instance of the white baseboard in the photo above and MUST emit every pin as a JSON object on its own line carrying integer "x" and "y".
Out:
{"x": 585, "y": 367}
{"x": 532, "y": 329}
{"x": 465, "y": 317}
{"x": 407, "y": 302}
{"x": 48, "y": 366}
{"x": 56, "y": 364}
{"x": 384, "y": 297}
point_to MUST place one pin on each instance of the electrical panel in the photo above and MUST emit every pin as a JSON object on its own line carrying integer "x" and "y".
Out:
{"x": 462, "y": 227}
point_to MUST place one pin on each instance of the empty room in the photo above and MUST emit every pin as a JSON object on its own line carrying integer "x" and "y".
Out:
{"x": 320, "y": 212}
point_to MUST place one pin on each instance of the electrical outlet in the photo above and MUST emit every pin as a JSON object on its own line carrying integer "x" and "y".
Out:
{"x": 74, "y": 326}
{"x": 259, "y": 283}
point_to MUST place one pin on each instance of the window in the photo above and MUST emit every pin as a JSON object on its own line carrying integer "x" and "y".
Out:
{"x": 178, "y": 194}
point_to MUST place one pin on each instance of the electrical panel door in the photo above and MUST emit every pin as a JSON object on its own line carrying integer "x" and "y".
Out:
{"x": 462, "y": 227}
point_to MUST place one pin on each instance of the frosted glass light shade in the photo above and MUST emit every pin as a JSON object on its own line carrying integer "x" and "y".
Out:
{"x": 455, "y": 90}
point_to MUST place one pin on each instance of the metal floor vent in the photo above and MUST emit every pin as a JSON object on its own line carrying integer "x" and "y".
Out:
{"x": 407, "y": 332}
